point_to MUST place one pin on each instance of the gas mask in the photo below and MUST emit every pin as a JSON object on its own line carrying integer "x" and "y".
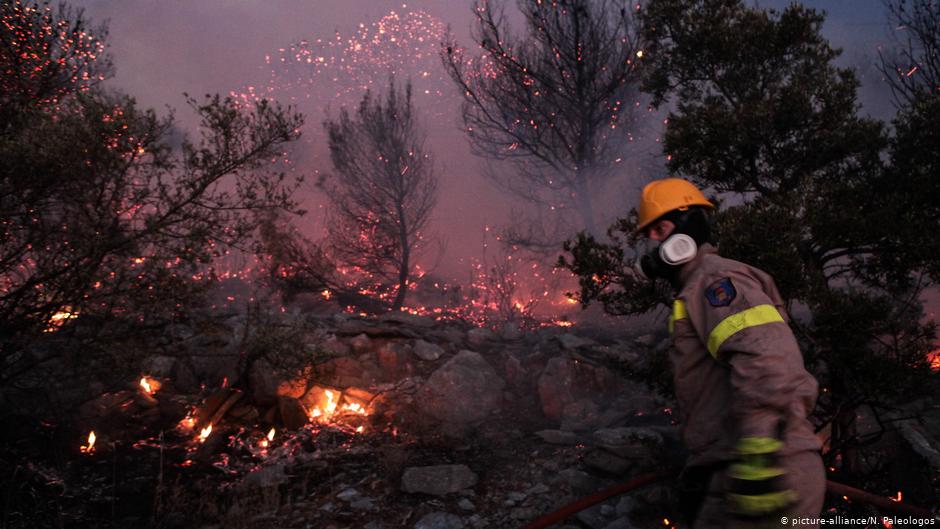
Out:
{"x": 665, "y": 259}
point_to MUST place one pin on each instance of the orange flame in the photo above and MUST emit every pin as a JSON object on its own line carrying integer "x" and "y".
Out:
{"x": 933, "y": 358}
{"x": 204, "y": 433}
{"x": 59, "y": 318}
{"x": 90, "y": 447}
{"x": 187, "y": 423}
{"x": 150, "y": 385}
{"x": 266, "y": 440}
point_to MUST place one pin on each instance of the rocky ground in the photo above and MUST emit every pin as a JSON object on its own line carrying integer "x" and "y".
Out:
{"x": 399, "y": 421}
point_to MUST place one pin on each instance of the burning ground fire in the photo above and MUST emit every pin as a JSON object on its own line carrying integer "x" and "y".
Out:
{"x": 331, "y": 409}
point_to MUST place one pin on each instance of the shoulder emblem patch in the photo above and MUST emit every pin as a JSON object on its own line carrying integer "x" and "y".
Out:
{"x": 721, "y": 293}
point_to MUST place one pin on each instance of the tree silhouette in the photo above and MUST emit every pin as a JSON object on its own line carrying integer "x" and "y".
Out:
{"x": 555, "y": 102}
{"x": 383, "y": 190}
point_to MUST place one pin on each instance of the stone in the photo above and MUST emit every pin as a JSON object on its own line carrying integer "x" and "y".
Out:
{"x": 538, "y": 488}
{"x": 479, "y": 336}
{"x": 571, "y": 342}
{"x": 620, "y": 523}
{"x": 580, "y": 482}
{"x": 516, "y": 496}
{"x": 409, "y": 320}
{"x": 263, "y": 382}
{"x": 606, "y": 462}
{"x": 332, "y": 346}
{"x": 343, "y": 372}
{"x": 522, "y": 513}
{"x": 581, "y": 416}
{"x": 558, "y": 437}
{"x": 593, "y": 517}
{"x": 625, "y": 506}
{"x": 440, "y": 520}
{"x": 294, "y": 388}
{"x": 160, "y": 366}
{"x": 360, "y": 343}
{"x": 438, "y": 480}
{"x": 510, "y": 331}
{"x": 646, "y": 340}
{"x": 557, "y": 386}
{"x": 629, "y": 442}
{"x": 466, "y": 504}
{"x": 347, "y": 495}
{"x": 427, "y": 351}
{"x": 394, "y": 360}
{"x": 363, "y": 504}
{"x": 293, "y": 414}
{"x": 463, "y": 391}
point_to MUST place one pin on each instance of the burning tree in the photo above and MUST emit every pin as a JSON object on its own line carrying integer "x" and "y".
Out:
{"x": 550, "y": 102}
{"x": 764, "y": 116}
{"x": 108, "y": 219}
{"x": 383, "y": 191}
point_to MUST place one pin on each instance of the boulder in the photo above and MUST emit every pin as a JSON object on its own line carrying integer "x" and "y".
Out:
{"x": 427, "y": 351}
{"x": 263, "y": 382}
{"x": 293, "y": 415}
{"x": 479, "y": 336}
{"x": 463, "y": 391}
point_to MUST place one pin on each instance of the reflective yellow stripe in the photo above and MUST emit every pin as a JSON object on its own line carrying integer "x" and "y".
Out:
{"x": 678, "y": 310}
{"x": 751, "y": 317}
{"x": 678, "y": 313}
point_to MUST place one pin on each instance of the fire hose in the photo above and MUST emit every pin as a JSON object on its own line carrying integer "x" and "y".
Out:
{"x": 832, "y": 487}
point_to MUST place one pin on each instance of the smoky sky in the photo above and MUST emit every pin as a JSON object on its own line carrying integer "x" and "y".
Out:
{"x": 163, "y": 48}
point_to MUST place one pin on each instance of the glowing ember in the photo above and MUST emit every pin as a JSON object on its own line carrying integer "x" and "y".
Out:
{"x": 266, "y": 440}
{"x": 149, "y": 385}
{"x": 326, "y": 294}
{"x": 665, "y": 521}
{"x": 187, "y": 424}
{"x": 204, "y": 433}
{"x": 59, "y": 318}
{"x": 90, "y": 447}
{"x": 896, "y": 498}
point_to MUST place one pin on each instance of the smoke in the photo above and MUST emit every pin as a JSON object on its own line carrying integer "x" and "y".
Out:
{"x": 304, "y": 53}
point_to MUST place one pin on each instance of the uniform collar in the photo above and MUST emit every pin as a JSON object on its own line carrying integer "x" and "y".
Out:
{"x": 688, "y": 268}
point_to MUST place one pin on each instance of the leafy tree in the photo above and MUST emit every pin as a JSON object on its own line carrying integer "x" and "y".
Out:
{"x": 762, "y": 116}
{"x": 384, "y": 189}
{"x": 553, "y": 102}
{"x": 107, "y": 222}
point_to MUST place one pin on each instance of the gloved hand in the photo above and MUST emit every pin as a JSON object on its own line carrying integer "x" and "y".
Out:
{"x": 756, "y": 486}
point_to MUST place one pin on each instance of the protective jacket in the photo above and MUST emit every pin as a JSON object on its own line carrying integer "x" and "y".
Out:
{"x": 738, "y": 374}
{"x": 738, "y": 369}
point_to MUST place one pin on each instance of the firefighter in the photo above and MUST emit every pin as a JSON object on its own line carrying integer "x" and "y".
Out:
{"x": 744, "y": 394}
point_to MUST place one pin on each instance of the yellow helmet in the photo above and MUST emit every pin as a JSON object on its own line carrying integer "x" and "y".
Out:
{"x": 669, "y": 194}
